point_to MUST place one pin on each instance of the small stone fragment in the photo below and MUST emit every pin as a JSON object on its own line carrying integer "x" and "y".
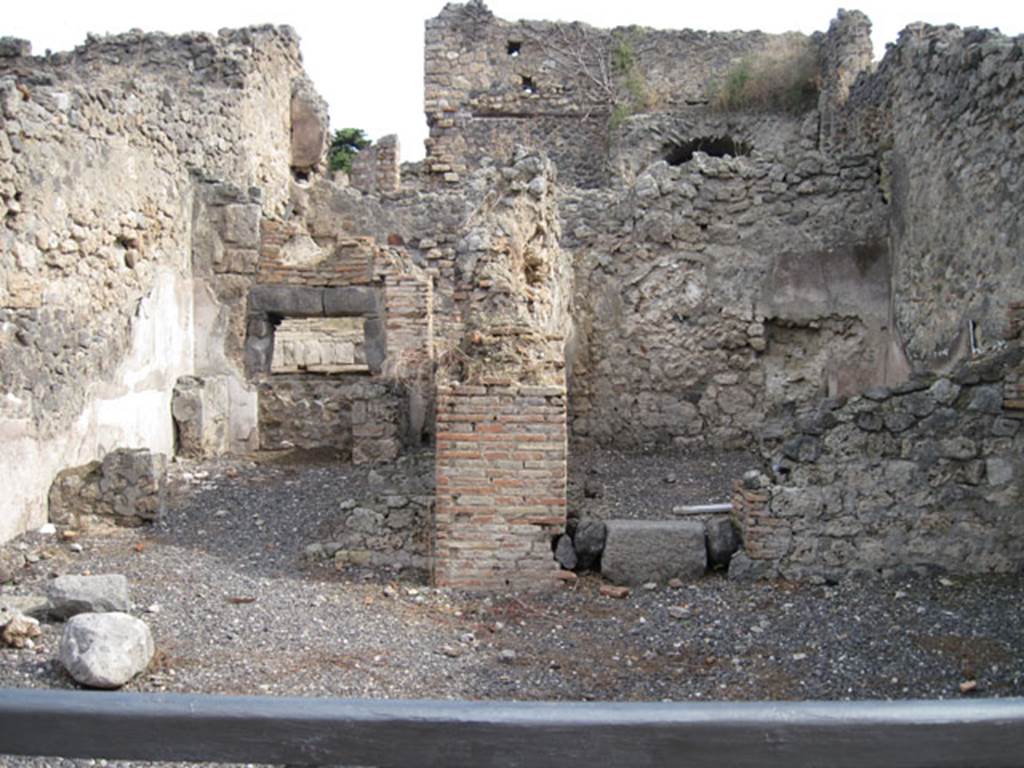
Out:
{"x": 19, "y": 631}
{"x": 507, "y": 655}
{"x": 611, "y": 590}
{"x": 968, "y": 686}
{"x": 679, "y": 611}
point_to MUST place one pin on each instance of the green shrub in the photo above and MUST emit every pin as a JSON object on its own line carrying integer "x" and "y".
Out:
{"x": 769, "y": 83}
{"x": 345, "y": 145}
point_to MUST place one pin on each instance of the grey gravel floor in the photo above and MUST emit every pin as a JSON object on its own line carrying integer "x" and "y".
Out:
{"x": 235, "y": 610}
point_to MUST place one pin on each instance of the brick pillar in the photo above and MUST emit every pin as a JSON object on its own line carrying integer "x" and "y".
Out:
{"x": 501, "y": 484}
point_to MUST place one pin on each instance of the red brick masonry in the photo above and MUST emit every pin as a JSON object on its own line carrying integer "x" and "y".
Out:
{"x": 501, "y": 484}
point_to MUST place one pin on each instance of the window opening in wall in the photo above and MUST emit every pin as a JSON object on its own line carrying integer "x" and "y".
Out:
{"x": 513, "y": 48}
{"x": 677, "y": 153}
{"x": 529, "y": 86}
{"x": 320, "y": 345}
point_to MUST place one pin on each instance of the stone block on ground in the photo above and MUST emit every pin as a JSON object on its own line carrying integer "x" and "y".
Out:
{"x": 200, "y": 409}
{"x": 588, "y": 541}
{"x": 105, "y": 650}
{"x": 71, "y": 595}
{"x": 639, "y": 551}
{"x": 565, "y": 554}
{"x": 722, "y": 540}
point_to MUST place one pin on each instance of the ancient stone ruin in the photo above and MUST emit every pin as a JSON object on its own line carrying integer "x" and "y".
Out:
{"x": 619, "y": 239}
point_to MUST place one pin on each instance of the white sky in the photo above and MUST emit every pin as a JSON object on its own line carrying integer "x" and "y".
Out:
{"x": 366, "y": 57}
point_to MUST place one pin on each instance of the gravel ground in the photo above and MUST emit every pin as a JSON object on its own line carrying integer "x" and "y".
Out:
{"x": 609, "y": 484}
{"x": 234, "y": 610}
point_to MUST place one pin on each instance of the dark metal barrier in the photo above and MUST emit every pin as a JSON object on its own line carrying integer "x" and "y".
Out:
{"x": 984, "y": 733}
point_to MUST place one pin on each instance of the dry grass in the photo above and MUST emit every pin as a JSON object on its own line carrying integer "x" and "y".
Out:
{"x": 771, "y": 81}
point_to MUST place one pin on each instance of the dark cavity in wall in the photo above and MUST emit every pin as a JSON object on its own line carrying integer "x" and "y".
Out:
{"x": 677, "y": 153}
{"x": 528, "y": 85}
{"x": 513, "y": 48}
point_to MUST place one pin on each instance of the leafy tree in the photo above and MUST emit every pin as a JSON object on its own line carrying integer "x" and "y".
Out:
{"x": 345, "y": 145}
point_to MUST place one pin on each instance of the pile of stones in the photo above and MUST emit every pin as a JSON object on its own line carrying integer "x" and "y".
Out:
{"x": 102, "y": 645}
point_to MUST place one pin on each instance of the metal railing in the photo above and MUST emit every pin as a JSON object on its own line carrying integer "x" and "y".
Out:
{"x": 983, "y": 733}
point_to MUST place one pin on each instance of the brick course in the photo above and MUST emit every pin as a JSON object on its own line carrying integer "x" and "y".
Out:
{"x": 501, "y": 484}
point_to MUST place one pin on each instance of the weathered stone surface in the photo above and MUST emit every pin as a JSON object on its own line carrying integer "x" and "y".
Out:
{"x": 105, "y": 650}
{"x": 588, "y": 542}
{"x": 565, "y": 554}
{"x": 98, "y": 318}
{"x": 30, "y": 605}
{"x": 638, "y": 551}
{"x": 201, "y": 409}
{"x": 71, "y": 595}
{"x": 891, "y": 492}
{"x": 128, "y": 485}
{"x": 722, "y": 540}
{"x": 308, "y": 127}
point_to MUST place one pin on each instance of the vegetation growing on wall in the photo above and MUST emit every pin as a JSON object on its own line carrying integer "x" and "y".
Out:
{"x": 769, "y": 82}
{"x": 634, "y": 94}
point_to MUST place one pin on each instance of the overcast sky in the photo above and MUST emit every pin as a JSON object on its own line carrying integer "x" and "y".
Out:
{"x": 366, "y": 57}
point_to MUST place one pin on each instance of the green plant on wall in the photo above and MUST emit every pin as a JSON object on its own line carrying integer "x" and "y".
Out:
{"x": 633, "y": 94}
{"x": 769, "y": 83}
{"x": 345, "y": 145}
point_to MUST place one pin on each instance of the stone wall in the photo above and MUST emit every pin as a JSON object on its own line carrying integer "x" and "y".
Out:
{"x": 319, "y": 345}
{"x": 362, "y": 419}
{"x": 922, "y": 477}
{"x": 376, "y": 169}
{"x": 492, "y": 84}
{"x": 957, "y": 163}
{"x": 97, "y": 171}
{"x": 128, "y": 487}
{"x": 716, "y": 291}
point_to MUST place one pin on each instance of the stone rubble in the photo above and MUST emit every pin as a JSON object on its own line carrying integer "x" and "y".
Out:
{"x": 70, "y": 595}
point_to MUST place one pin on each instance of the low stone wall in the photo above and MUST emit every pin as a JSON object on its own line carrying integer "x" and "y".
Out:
{"x": 360, "y": 418}
{"x": 926, "y": 476}
{"x": 128, "y": 486}
{"x": 501, "y": 484}
{"x": 386, "y": 530}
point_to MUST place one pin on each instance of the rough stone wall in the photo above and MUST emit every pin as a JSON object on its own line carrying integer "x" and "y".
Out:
{"x": 360, "y": 418}
{"x": 492, "y": 84}
{"x": 926, "y": 476}
{"x": 501, "y": 399}
{"x": 376, "y": 169}
{"x": 957, "y": 168}
{"x": 716, "y": 291}
{"x": 127, "y": 486}
{"x": 845, "y": 53}
{"x": 99, "y": 151}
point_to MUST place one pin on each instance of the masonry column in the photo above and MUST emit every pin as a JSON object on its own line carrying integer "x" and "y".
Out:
{"x": 501, "y": 397}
